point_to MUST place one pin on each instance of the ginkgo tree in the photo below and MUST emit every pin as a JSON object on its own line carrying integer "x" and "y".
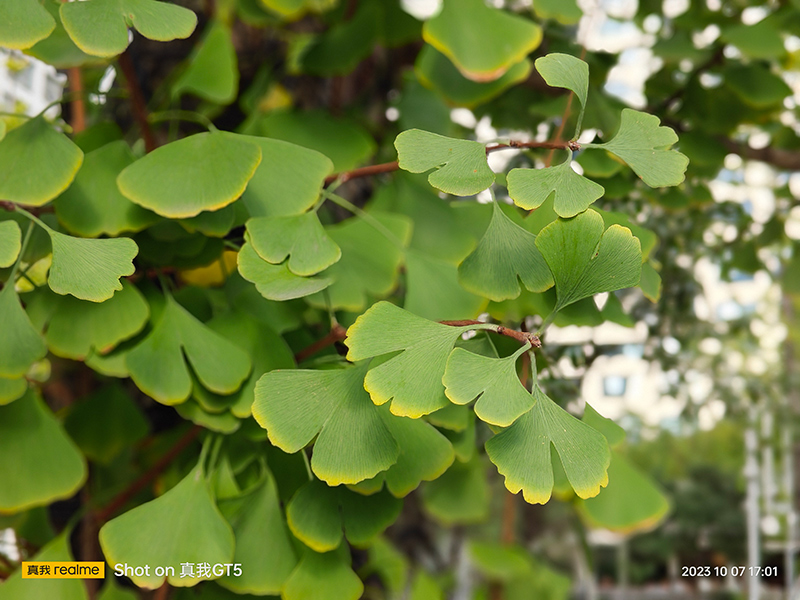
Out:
{"x": 282, "y": 330}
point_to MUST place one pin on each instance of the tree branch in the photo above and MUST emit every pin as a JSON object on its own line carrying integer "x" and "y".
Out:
{"x": 138, "y": 104}
{"x": 78, "y": 120}
{"x": 337, "y": 334}
{"x": 134, "y": 488}
{"x": 777, "y": 157}
{"x": 523, "y": 337}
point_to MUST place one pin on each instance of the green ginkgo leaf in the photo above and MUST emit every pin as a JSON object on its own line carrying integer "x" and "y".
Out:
{"x": 220, "y": 422}
{"x": 37, "y": 163}
{"x": 320, "y": 516}
{"x": 261, "y": 538}
{"x": 573, "y": 193}
{"x": 460, "y": 496}
{"x": 10, "y": 243}
{"x": 212, "y": 73}
{"x": 494, "y": 381}
{"x": 585, "y": 260}
{"x": 323, "y": 577}
{"x": 76, "y": 328}
{"x": 58, "y": 49}
{"x": 198, "y": 533}
{"x": 650, "y": 282}
{"x": 288, "y": 180}
{"x": 433, "y": 291}
{"x": 23, "y": 23}
{"x": 565, "y": 71}
{"x": 506, "y": 253}
{"x": 460, "y": 165}
{"x": 100, "y": 27}
{"x": 206, "y": 171}
{"x": 157, "y": 365}
{"x": 299, "y": 237}
{"x": 57, "y": 550}
{"x": 276, "y": 282}
{"x": 12, "y": 389}
{"x": 522, "y": 452}
{"x": 482, "y": 41}
{"x": 370, "y": 263}
{"x": 352, "y": 441}
{"x": 90, "y": 269}
{"x": 22, "y": 345}
{"x": 644, "y": 145}
{"x": 93, "y": 205}
{"x": 33, "y": 441}
{"x": 413, "y": 379}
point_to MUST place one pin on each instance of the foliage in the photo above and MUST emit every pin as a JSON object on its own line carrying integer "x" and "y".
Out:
{"x": 223, "y": 241}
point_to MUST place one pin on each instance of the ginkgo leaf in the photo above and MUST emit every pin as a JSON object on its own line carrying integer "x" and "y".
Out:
{"x": 319, "y": 516}
{"x": 10, "y": 243}
{"x": 573, "y": 193}
{"x": 76, "y": 328}
{"x": 157, "y": 365}
{"x": 276, "y": 282}
{"x": 325, "y": 576}
{"x": 213, "y": 72}
{"x": 644, "y": 145}
{"x": 12, "y": 389}
{"x": 206, "y": 171}
{"x": 370, "y": 263}
{"x": 22, "y": 345}
{"x": 585, "y": 260}
{"x": 100, "y": 27}
{"x": 23, "y": 23}
{"x": 90, "y": 269}
{"x": 221, "y": 423}
{"x": 261, "y": 535}
{"x": 352, "y": 441}
{"x": 494, "y": 381}
{"x": 565, "y": 71}
{"x": 288, "y": 180}
{"x": 198, "y": 533}
{"x": 522, "y": 452}
{"x": 460, "y": 496}
{"x": 93, "y": 204}
{"x": 32, "y": 440}
{"x": 37, "y": 163}
{"x": 481, "y": 40}
{"x": 299, "y": 237}
{"x": 433, "y": 291}
{"x": 506, "y": 253}
{"x": 460, "y": 165}
{"x": 413, "y": 379}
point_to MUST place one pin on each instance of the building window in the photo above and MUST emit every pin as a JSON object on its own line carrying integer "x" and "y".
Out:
{"x": 614, "y": 385}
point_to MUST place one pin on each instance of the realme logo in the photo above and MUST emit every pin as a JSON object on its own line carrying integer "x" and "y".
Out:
{"x": 64, "y": 570}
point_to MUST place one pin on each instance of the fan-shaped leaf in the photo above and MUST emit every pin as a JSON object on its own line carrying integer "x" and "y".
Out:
{"x": 22, "y": 345}
{"x": 319, "y": 516}
{"x": 198, "y": 533}
{"x": 57, "y": 550}
{"x": 93, "y": 204}
{"x": 494, "y": 381}
{"x": 300, "y": 237}
{"x": 206, "y": 171}
{"x": 90, "y": 269}
{"x": 460, "y": 165}
{"x": 482, "y": 41}
{"x": 433, "y": 291}
{"x": 522, "y": 452}
{"x": 505, "y": 253}
{"x": 352, "y": 441}
{"x": 100, "y": 27}
{"x": 413, "y": 379}
{"x": 11, "y": 389}
{"x": 10, "y": 243}
{"x": 323, "y": 577}
{"x": 459, "y": 496}
{"x": 565, "y": 71}
{"x": 213, "y": 72}
{"x": 644, "y": 145}
{"x": 276, "y": 282}
{"x": 37, "y": 163}
{"x": 585, "y": 260}
{"x": 32, "y": 441}
{"x": 573, "y": 193}
{"x": 23, "y": 23}
{"x": 158, "y": 368}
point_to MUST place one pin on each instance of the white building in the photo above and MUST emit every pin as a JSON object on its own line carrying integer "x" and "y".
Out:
{"x": 27, "y": 85}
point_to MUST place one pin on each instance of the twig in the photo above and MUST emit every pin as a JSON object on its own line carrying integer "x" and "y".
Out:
{"x": 522, "y": 337}
{"x": 122, "y": 498}
{"x": 138, "y": 104}
{"x": 78, "y": 121}
{"x": 363, "y": 172}
{"x": 336, "y": 334}
{"x": 162, "y": 593}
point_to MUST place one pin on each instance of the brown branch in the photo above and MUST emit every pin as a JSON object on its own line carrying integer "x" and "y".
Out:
{"x": 162, "y": 593}
{"x": 7, "y": 205}
{"x": 138, "y": 104}
{"x": 523, "y": 337}
{"x": 78, "y": 121}
{"x": 363, "y": 172}
{"x": 337, "y": 334}
{"x": 134, "y": 488}
{"x": 777, "y": 157}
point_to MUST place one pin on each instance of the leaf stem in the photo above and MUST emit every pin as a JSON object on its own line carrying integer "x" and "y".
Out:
{"x": 183, "y": 115}
{"x": 33, "y": 218}
{"x": 22, "y": 249}
{"x": 547, "y": 322}
{"x": 364, "y": 215}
